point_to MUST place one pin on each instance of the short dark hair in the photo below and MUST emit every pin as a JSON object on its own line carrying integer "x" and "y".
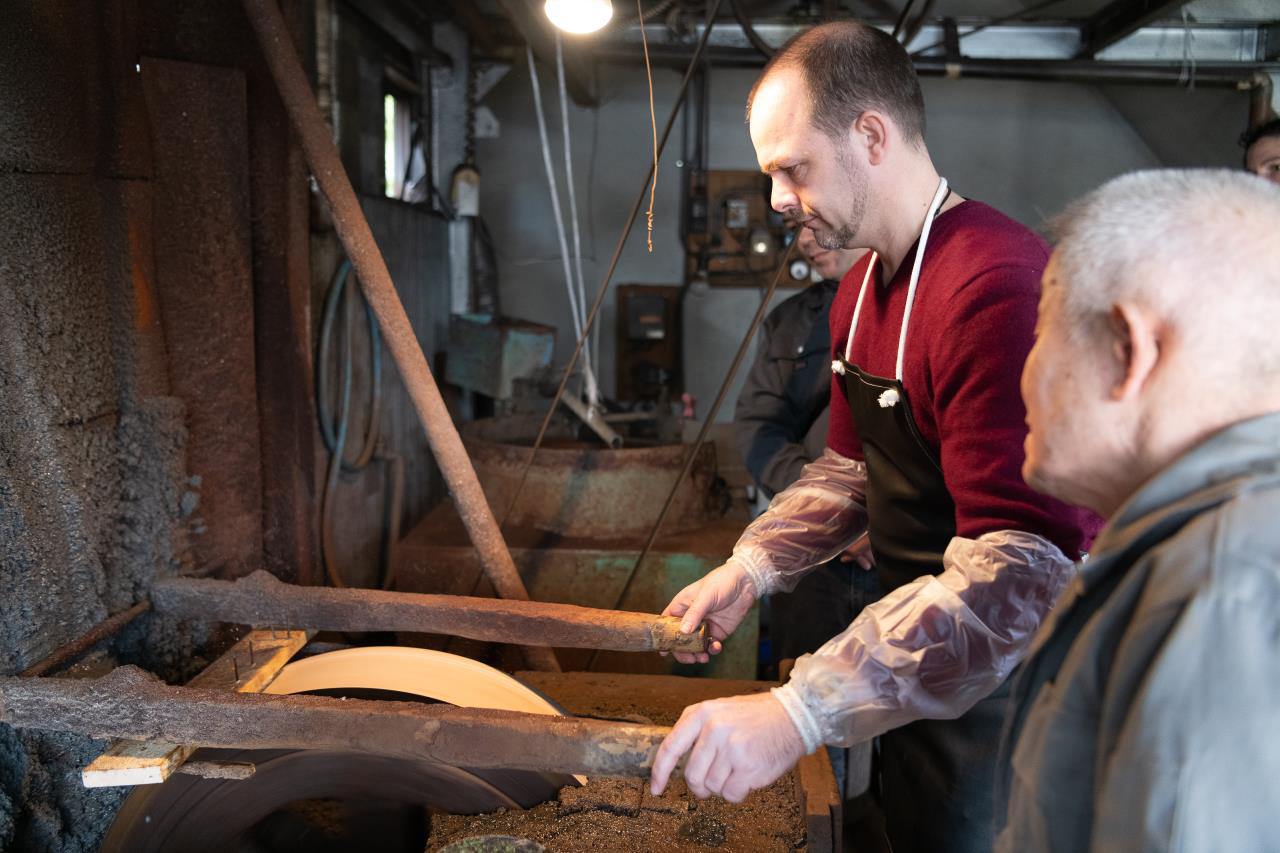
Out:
{"x": 1262, "y": 131}
{"x": 850, "y": 68}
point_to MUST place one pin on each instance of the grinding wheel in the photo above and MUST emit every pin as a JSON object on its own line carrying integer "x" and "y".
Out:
{"x": 193, "y": 814}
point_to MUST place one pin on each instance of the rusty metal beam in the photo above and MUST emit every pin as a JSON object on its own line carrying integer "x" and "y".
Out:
{"x": 539, "y": 35}
{"x": 130, "y": 703}
{"x": 260, "y": 599}
{"x": 353, "y": 230}
{"x": 108, "y": 627}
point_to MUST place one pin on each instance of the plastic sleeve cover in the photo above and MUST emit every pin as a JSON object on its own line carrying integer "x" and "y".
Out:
{"x": 813, "y": 520}
{"x": 933, "y": 648}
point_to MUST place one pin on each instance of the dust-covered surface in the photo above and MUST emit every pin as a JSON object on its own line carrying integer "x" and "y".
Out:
{"x": 91, "y": 444}
{"x": 617, "y": 814}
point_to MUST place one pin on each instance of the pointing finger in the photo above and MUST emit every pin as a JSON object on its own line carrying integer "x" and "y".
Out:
{"x": 673, "y": 747}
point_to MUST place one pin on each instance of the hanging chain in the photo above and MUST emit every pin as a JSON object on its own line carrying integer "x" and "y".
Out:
{"x": 469, "y": 145}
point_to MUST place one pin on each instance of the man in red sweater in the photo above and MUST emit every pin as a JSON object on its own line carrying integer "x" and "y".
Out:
{"x": 929, "y": 334}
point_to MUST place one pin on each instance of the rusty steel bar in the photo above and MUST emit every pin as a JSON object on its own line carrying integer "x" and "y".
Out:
{"x": 613, "y": 262}
{"x": 261, "y": 599}
{"x": 130, "y": 703}
{"x": 375, "y": 280}
{"x": 108, "y": 627}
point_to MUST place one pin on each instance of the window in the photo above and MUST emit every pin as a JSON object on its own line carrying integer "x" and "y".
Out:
{"x": 396, "y": 150}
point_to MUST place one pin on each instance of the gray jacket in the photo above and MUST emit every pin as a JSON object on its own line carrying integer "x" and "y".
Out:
{"x": 780, "y": 420}
{"x": 1148, "y": 714}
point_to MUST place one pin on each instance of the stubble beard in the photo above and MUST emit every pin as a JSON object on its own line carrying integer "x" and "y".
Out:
{"x": 856, "y": 185}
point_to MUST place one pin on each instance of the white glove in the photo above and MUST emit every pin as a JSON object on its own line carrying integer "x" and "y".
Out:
{"x": 735, "y": 746}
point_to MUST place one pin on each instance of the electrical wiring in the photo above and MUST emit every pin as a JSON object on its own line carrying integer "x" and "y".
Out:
{"x": 575, "y": 310}
{"x": 335, "y": 425}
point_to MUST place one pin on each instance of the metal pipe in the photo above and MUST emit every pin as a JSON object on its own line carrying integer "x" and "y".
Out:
{"x": 371, "y": 269}
{"x": 1261, "y": 109}
{"x": 260, "y": 599}
{"x": 1232, "y": 75}
{"x": 613, "y": 262}
{"x": 594, "y": 421}
{"x": 108, "y": 627}
{"x": 1218, "y": 74}
{"x": 130, "y": 703}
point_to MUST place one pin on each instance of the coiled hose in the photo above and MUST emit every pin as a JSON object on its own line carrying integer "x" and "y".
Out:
{"x": 335, "y": 426}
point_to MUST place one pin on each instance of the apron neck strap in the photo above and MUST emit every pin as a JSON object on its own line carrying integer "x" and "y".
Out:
{"x": 938, "y": 198}
{"x": 857, "y": 308}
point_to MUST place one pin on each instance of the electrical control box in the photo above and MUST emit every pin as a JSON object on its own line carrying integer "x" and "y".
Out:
{"x": 733, "y": 238}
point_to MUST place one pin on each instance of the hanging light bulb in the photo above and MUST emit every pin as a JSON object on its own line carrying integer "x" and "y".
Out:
{"x": 579, "y": 16}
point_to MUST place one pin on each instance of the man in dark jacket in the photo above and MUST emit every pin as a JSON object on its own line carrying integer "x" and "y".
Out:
{"x": 1145, "y": 715}
{"x": 780, "y": 426}
{"x": 780, "y": 420}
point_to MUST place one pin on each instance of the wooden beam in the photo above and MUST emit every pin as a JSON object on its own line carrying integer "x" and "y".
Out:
{"x": 247, "y": 667}
{"x": 538, "y": 33}
{"x": 260, "y": 599}
{"x": 820, "y": 802}
{"x": 1121, "y": 18}
{"x": 131, "y": 703}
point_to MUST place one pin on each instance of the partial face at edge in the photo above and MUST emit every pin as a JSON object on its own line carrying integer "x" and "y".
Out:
{"x": 817, "y": 180}
{"x": 1263, "y": 158}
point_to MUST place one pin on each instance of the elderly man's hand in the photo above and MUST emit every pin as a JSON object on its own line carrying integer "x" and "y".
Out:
{"x": 721, "y": 598}
{"x": 738, "y": 745}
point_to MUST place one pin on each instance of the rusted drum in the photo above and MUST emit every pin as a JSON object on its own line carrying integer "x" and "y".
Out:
{"x": 579, "y": 489}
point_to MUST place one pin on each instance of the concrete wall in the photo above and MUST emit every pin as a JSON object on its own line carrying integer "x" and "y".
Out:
{"x": 1026, "y": 148}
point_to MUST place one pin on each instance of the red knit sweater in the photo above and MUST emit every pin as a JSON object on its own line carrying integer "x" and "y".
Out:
{"x": 972, "y": 325}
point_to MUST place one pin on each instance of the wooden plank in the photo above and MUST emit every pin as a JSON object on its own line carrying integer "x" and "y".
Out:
{"x": 131, "y": 703}
{"x": 247, "y": 667}
{"x": 204, "y": 283}
{"x": 820, "y": 803}
{"x": 260, "y": 599}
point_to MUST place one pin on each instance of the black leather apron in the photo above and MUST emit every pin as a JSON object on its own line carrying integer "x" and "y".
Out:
{"x": 936, "y": 777}
{"x": 910, "y": 514}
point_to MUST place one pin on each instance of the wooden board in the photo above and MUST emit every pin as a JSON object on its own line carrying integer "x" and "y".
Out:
{"x": 819, "y": 802}
{"x": 247, "y": 667}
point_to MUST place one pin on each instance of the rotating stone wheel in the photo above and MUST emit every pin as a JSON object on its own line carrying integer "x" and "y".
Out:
{"x": 324, "y": 800}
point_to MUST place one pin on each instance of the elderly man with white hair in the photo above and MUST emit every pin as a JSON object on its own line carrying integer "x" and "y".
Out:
{"x": 1146, "y": 717}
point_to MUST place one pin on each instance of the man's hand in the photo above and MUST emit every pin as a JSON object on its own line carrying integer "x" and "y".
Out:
{"x": 860, "y": 552}
{"x": 738, "y": 745}
{"x": 721, "y": 599}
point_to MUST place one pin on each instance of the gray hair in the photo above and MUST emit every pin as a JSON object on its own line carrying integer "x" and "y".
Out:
{"x": 1199, "y": 247}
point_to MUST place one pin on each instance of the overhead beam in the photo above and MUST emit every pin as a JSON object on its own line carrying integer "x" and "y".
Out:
{"x": 537, "y": 32}
{"x": 1121, "y": 18}
{"x": 260, "y": 599}
{"x": 130, "y": 703}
